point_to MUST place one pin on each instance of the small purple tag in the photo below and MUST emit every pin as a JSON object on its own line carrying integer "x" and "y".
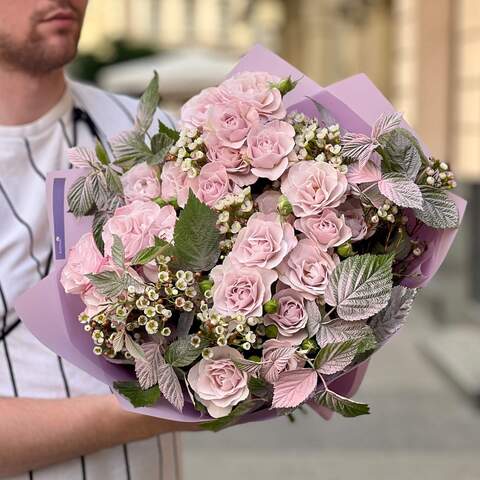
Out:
{"x": 58, "y": 199}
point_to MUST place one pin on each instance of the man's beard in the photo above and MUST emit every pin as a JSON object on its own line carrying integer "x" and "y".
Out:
{"x": 34, "y": 55}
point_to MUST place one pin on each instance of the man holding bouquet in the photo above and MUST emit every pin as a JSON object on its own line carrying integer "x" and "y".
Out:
{"x": 56, "y": 421}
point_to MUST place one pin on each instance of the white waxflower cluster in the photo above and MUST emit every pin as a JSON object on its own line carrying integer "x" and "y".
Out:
{"x": 439, "y": 175}
{"x": 312, "y": 142}
{"x": 387, "y": 212}
{"x": 189, "y": 151}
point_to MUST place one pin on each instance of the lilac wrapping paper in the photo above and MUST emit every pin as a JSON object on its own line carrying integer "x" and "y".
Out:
{"x": 51, "y": 314}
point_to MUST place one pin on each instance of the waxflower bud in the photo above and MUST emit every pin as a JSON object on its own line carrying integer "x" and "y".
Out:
{"x": 271, "y": 306}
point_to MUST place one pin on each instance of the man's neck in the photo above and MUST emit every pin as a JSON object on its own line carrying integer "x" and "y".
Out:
{"x": 25, "y": 98}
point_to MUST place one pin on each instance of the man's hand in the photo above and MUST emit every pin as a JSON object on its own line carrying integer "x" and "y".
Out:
{"x": 36, "y": 433}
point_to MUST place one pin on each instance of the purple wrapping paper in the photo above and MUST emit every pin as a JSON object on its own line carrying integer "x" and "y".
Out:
{"x": 51, "y": 314}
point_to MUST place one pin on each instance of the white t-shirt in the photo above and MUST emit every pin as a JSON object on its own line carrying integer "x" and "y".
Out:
{"x": 27, "y": 368}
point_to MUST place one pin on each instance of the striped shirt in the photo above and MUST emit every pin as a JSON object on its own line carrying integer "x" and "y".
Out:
{"x": 27, "y": 368}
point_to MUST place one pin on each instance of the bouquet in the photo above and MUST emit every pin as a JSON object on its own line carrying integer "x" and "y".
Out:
{"x": 248, "y": 262}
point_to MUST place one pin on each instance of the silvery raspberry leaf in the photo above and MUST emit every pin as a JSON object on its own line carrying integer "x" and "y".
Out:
{"x": 334, "y": 357}
{"x": 342, "y": 405}
{"x": 387, "y": 322}
{"x": 196, "y": 236}
{"x": 386, "y": 123}
{"x": 276, "y": 363}
{"x": 181, "y": 353}
{"x": 99, "y": 220}
{"x": 119, "y": 341}
{"x": 357, "y": 146}
{"x": 248, "y": 366}
{"x": 184, "y": 324}
{"x": 133, "y": 348}
{"x": 130, "y": 149}
{"x": 160, "y": 146}
{"x": 360, "y": 286}
{"x": 293, "y": 387}
{"x": 81, "y": 157}
{"x": 147, "y": 368}
{"x": 340, "y": 331}
{"x": 107, "y": 283}
{"x": 439, "y": 211}
{"x": 147, "y": 105}
{"x": 247, "y": 406}
{"x": 170, "y": 386}
{"x": 371, "y": 194}
{"x": 401, "y": 191}
{"x": 118, "y": 252}
{"x": 369, "y": 173}
{"x": 173, "y": 134}
{"x": 113, "y": 181}
{"x": 80, "y": 197}
{"x": 259, "y": 388}
{"x": 137, "y": 396}
{"x": 314, "y": 317}
{"x": 100, "y": 190}
{"x": 150, "y": 253}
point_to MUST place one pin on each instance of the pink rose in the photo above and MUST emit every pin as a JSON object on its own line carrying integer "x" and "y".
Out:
{"x": 94, "y": 301}
{"x": 175, "y": 183}
{"x": 268, "y": 147}
{"x": 268, "y": 201}
{"x": 306, "y": 269}
{"x": 312, "y": 186}
{"x": 83, "y": 258}
{"x": 264, "y": 241}
{"x": 231, "y": 123}
{"x": 137, "y": 224}
{"x": 140, "y": 183}
{"x": 233, "y": 159}
{"x": 194, "y": 112}
{"x": 291, "y": 316}
{"x": 240, "y": 289}
{"x": 354, "y": 216}
{"x": 218, "y": 382}
{"x": 255, "y": 89}
{"x": 212, "y": 184}
{"x": 327, "y": 229}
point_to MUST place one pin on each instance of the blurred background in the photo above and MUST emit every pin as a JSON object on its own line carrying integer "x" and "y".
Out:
{"x": 424, "y": 387}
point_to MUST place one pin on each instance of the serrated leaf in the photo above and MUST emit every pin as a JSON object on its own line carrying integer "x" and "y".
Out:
{"x": 293, "y": 387}
{"x": 149, "y": 253}
{"x": 342, "y": 405}
{"x": 173, "y": 134}
{"x": 357, "y": 146}
{"x": 80, "y": 197}
{"x": 160, "y": 146}
{"x": 277, "y": 362}
{"x": 360, "y": 286}
{"x": 118, "y": 341}
{"x": 130, "y": 149}
{"x": 181, "y": 353}
{"x": 387, "y": 322}
{"x": 147, "y": 368}
{"x": 259, "y": 388}
{"x": 170, "y": 386}
{"x": 248, "y": 366}
{"x": 101, "y": 153}
{"x": 386, "y": 123}
{"x": 340, "y": 331}
{"x": 108, "y": 283}
{"x": 439, "y": 211}
{"x": 248, "y": 406}
{"x": 99, "y": 190}
{"x": 99, "y": 220}
{"x": 147, "y": 105}
{"x": 81, "y": 157}
{"x": 334, "y": 357}
{"x": 196, "y": 236}
{"x": 113, "y": 181}
{"x": 184, "y": 324}
{"x": 118, "y": 252}
{"x": 137, "y": 396}
{"x": 401, "y": 191}
{"x": 133, "y": 348}
{"x": 314, "y": 317}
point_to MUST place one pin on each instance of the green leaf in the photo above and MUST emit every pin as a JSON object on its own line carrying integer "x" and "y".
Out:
{"x": 260, "y": 388}
{"x": 160, "y": 146}
{"x": 360, "y": 286}
{"x": 439, "y": 211}
{"x": 99, "y": 220}
{"x": 248, "y": 406}
{"x": 334, "y": 357}
{"x": 99, "y": 190}
{"x": 342, "y": 405}
{"x": 148, "y": 105}
{"x": 114, "y": 183}
{"x": 150, "y": 253}
{"x": 173, "y": 134}
{"x": 130, "y": 149}
{"x": 137, "y": 396}
{"x": 107, "y": 283}
{"x": 181, "y": 353}
{"x": 80, "y": 197}
{"x": 196, "y": 236}
{"x": 118, "y": 252}
{"x": 101, "y": 153}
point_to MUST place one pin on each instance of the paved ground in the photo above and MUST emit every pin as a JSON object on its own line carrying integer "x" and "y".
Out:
{"x": 420, "y": 428}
